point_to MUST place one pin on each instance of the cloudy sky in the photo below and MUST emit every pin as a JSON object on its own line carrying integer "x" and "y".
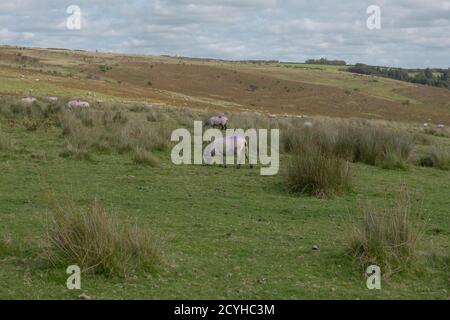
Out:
{"x": 414, "y": 33}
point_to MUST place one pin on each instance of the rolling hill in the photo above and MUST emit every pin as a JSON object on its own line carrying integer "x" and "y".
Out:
{"x": 268, "y": 88}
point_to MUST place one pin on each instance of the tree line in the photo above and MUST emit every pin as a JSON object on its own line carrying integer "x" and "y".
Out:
{"x": 326, "y": 62}
{"x": 432, "y": 77}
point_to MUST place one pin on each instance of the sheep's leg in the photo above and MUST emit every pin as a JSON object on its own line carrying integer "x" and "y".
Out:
{"x": 247, "y": 157}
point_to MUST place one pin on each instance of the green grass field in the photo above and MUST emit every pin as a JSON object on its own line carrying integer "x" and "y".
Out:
{"x": 227, "y": 233}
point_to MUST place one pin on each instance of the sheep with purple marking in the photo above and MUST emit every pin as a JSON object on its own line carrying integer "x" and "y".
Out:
{"x": 77, "y": 104}
{"x": 217, "y": 122}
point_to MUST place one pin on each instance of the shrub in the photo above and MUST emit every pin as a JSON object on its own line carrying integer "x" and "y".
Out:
{"x": 312, "y": 172}
{"x": 436, "y": 157}
{"x": 99, "y": 243}
{"x": 388, "y": 236}
{"x": 144, "y": 157}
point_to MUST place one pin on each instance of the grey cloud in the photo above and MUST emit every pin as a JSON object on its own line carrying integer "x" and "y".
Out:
{"x": 415, "y": 33}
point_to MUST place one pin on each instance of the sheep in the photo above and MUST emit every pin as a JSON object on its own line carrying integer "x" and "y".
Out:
{"x": 77, "y": 103}
{"x": 231, "y": 145}
{"x": 28, "y": 100}
{"x": 308, "y": 124}
{"x": 217, "y": 121}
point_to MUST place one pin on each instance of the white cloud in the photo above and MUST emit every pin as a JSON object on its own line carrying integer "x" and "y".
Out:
{"x": 414, "y": 32}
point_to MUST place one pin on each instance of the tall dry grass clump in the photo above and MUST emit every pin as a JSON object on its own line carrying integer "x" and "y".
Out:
{"x": 372, "y": 145}
{"x": 354, "y": 142}
{"x": 435, "y": 157}
{"x": 314, "y": 172}
{"x": 99, "y": 243}
{"x": 144, "y": 157}
{"x": 388, "y": 236}
{"x": 33, "y": 117}
{"x": 111, "y": 130}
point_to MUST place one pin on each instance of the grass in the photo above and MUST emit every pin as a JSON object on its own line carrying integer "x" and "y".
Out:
{"x": 78, "y": 75}
{"x": 6, "y": 143}
{"x": 98, "y": 242}
{"x": 435, "y": 157}
{"x": 312, "y": 172}
{"x": 98, "y": 130}
{"x": 365, "y": 143}
{"x": 388, "y": 236}
{"x": 224, "y": 229}
{"x": 144, "y": 157}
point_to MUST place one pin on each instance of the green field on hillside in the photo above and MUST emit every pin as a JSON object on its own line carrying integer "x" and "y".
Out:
{"x": 226, "y": 233}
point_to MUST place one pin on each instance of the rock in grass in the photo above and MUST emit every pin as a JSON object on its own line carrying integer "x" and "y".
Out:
{"x": 84, "y": 296}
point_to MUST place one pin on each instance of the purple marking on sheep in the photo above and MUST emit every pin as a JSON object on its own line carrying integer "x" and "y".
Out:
{"x": 217, "y": 121}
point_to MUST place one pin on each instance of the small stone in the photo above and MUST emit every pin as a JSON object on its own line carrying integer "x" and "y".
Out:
{"x": 84, "y": 296}
{"x": 261, "y": 280}
{"x": 315, "y": 247}
{"x": 333, "y": 289}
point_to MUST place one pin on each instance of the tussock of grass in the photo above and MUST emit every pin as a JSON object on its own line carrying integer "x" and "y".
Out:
{"x": 100, "y": 131}
{"x": 435, "y": 157}
{"x": 374, "y": 146}
{"x": 13, "y": 108}
{"x": 76, "y": 152}
{"x": 312, "y": 172}
{"x": 98, "y": 242}
{"x": 388, "y": 236}
{"x": 367, "y": 144}
{"x": 144, "y": 157}
{"x": 157, "y": 116}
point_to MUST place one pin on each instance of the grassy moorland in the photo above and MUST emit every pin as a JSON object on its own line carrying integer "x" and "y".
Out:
{"x": 221, "y": 232}
{"x": 266, "y": 88}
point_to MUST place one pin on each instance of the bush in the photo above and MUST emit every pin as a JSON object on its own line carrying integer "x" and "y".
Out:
{"x": 388, "y": 236}
{"x": 312, "y": 172}
{"x": 144, "y": 157}
{"x": 436, "y": 157}
{"x": 99, "y": 243}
